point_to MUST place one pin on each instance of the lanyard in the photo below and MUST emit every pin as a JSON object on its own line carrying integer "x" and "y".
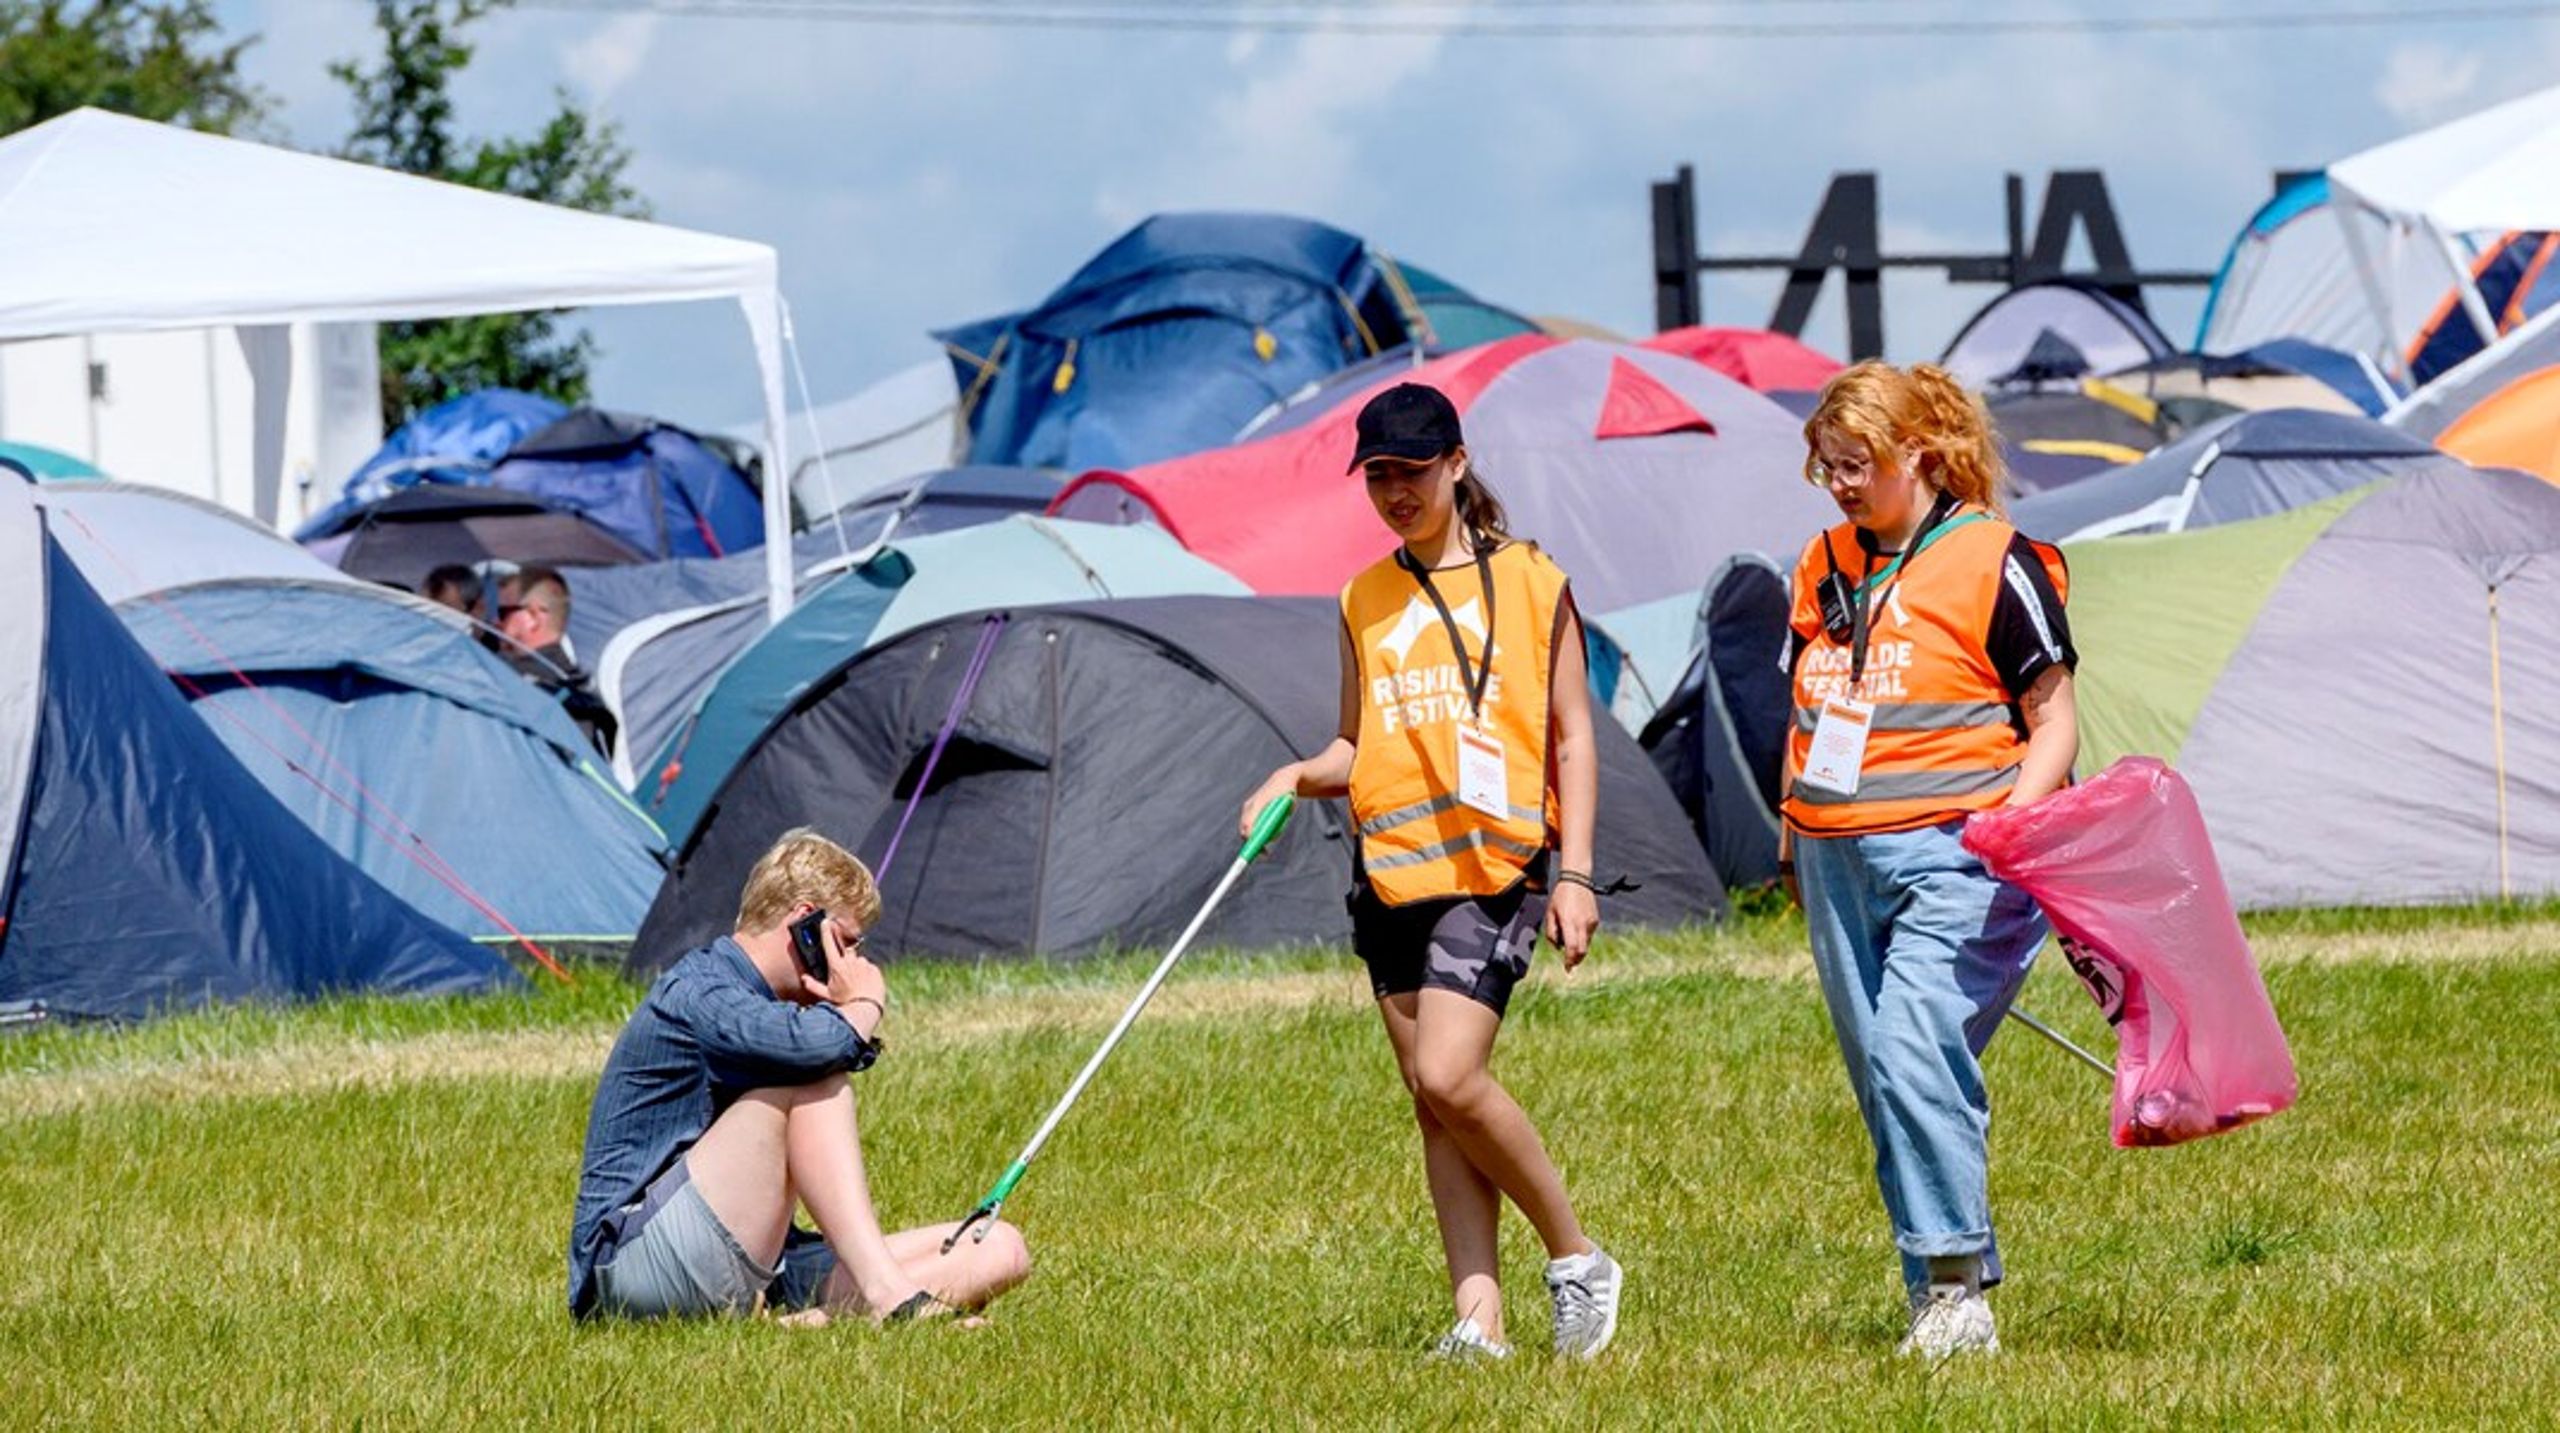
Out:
{"x": 1475, "y": 676}
{"x": 1937, "y": 525}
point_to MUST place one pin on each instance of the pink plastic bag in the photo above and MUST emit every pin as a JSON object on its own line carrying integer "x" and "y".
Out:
{"x": 2124, "y": 870}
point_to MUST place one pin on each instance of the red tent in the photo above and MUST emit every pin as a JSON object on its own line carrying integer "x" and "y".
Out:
{"x": 1765, "y": 362}
{"x": 1638, "y": 471}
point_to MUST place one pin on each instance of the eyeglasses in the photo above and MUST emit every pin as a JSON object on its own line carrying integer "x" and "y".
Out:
{"x": 1854, "y": 474}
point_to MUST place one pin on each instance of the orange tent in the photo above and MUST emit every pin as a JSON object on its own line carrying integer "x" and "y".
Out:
{"x": 2516, "y": 427}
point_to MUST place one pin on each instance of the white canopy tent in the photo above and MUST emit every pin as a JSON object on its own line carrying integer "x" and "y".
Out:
{"x": 112, "y": 224}
{"x": 2486, "y": 173}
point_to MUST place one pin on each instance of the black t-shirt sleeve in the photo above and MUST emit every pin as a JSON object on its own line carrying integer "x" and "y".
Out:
{"x": 2029, "y": 632}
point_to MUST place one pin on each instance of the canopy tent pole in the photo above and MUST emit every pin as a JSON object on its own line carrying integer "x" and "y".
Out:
{"x": 2371, "y": 282}
{"x": 770, "y": 324}
{"x": 2464, "y": 287}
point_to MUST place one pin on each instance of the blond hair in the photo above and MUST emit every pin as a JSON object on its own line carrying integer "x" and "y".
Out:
{"x": 1923, "y": 407}
{"x": 805, "y": 866}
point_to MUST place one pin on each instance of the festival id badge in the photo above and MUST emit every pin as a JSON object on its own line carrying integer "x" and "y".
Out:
{"x": 1484, "y": 778}
{"x": 1839, "y": 746}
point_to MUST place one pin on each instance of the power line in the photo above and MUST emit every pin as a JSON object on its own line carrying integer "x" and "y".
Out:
{"x": 1295, "y": 19}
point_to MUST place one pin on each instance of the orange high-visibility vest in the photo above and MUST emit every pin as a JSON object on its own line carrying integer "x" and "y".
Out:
{"x": 1942, "y": 740}
{"x": 1417, "y": 839}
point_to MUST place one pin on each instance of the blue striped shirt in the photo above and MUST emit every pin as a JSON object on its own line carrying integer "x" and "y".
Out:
{"x": 710, "y": 1031}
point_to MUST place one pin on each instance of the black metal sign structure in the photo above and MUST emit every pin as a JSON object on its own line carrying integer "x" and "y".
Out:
{"x": 1846, "y": 235}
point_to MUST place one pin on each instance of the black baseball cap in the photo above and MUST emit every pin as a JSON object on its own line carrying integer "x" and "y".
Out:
{"x": 1412, "y": 421}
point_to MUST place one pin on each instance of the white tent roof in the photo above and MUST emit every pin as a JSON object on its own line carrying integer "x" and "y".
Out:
{"x": 2492, "y": 171}
{"x": 109, "y": 223}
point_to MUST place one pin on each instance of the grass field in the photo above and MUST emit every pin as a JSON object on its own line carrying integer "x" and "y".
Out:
{"x": 355, "y": 1213}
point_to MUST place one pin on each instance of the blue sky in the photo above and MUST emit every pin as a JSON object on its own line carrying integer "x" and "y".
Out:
{"x": 918, "y": 176}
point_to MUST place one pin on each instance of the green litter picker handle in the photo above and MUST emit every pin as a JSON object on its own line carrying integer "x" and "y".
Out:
{"x": 1266, "y": 829}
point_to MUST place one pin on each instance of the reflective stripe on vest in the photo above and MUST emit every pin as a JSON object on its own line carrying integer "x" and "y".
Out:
{"x": 1942, "y": 742}
{"x": 1417, "y": 840}
{"x": 1921, "y": 716}
{"x": 1912, "y": 785}
{"x": 1386, "y": 821}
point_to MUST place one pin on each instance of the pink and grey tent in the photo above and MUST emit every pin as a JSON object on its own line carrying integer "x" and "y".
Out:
{"x": 2108, "y": 332}
{"x": 2248, "y": 465}
{"x": 1763, "y": 361}
{"x": 1638, "y": 471}
{"x": 2353, "y": 688}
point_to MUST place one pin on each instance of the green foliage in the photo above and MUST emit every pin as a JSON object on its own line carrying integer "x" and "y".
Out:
{"x": 354, "y": 1214}
{"x": 405, "y": 121}
{"x": 157, "y": 59}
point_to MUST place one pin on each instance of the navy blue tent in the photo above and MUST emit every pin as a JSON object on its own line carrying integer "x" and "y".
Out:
{"x": 1177, "y": 334}
{"x": 1719, "y": 740}
{"x": 655, "y": 486}
{"x": 141, "y": 868}
{"x": 456, "y": 441}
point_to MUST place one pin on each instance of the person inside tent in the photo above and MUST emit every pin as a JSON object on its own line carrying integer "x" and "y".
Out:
{"x": 727, "y": 1101}
{"x": 456, "y": 586}
{"x": 533, "y": 617}
{"x": 1932, "y": 668}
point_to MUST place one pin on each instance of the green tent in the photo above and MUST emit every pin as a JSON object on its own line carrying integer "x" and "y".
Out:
{"x": 2358, "y": 690}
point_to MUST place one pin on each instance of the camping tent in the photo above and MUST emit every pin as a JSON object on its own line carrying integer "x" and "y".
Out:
{"x": 2244, "y": 466}
{"x": 2090, "y": 420}
{"x": 693, "y": 688}
{"x": 1086, "y": 799}
{"x": 1719, "y": 739}
{"x": 112, "y": 224}
{"x": 372, "y": 716}
{"x": 1756, "y": 358}
{"x": 400, "y": 539}
{"x": 2514, "y": 278}
{"x": 604, "y": 600}
{"x": 2312, "y": 265}
{"x": 141, "y": 869}
{"x": 1174, "y": 336}
{"x": 45, "y": 463}
{"x": 653, "y": 485}
{"x": 1638, "y": 471}
{"x": 2533, "y": 346}
{"x": 455, "y": 441}
{"x": 2351, "y": 687}
{"x": 2109, "y": 332}
{"x": 2516, "y": 427}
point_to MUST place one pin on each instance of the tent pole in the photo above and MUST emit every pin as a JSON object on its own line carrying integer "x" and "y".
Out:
{"x": 2463, "y": 285}
{"x": 2374, "y": 296}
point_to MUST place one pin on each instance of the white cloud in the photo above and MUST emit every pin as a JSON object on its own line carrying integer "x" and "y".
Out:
{"x": 2425, "y": 82}
{"x": 603, "y": 61}
{"x": 1289, "y": 136}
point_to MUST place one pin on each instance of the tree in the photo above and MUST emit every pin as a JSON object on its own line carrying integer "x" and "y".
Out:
{"x": 165, "y": 61}
{"x": 405, "y": 121}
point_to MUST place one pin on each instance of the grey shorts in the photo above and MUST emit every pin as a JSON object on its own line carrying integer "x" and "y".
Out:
{"x": 1477, "y": 946}
{"x": 673, "y": 1258}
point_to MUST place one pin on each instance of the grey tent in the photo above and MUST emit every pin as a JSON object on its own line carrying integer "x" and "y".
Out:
{"x": 2248, "y": 465}
{"x": 2105, "y": 331}
{"x": 1087, "y": 797}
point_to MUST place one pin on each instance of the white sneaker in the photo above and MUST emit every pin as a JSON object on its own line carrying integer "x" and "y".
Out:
{"x": 1947, "y": 1320}
{"x": 1466, "y": 1343}
{"x": 1585, "y": 1289}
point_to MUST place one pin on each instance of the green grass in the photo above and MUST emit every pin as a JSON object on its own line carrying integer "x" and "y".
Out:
{"x": 354, "y": 1213}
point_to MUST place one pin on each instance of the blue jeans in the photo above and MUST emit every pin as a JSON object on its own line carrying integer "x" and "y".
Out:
{"x": 1920, "y": 951}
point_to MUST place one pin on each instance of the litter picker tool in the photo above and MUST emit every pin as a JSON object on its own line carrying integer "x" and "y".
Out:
{"x": 1266, "y": 828}
{"x": 2057, "y": 1037}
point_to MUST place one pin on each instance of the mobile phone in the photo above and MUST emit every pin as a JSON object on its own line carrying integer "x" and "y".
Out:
{"x": 810, "y": 945}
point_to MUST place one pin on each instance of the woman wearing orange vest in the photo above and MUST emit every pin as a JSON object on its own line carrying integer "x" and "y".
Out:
{"x": 1932, "y": 679}
{"x": 1466, "y": 749}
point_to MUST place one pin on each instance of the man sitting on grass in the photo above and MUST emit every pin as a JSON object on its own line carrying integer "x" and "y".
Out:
{"x": 726, "y": 1103}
